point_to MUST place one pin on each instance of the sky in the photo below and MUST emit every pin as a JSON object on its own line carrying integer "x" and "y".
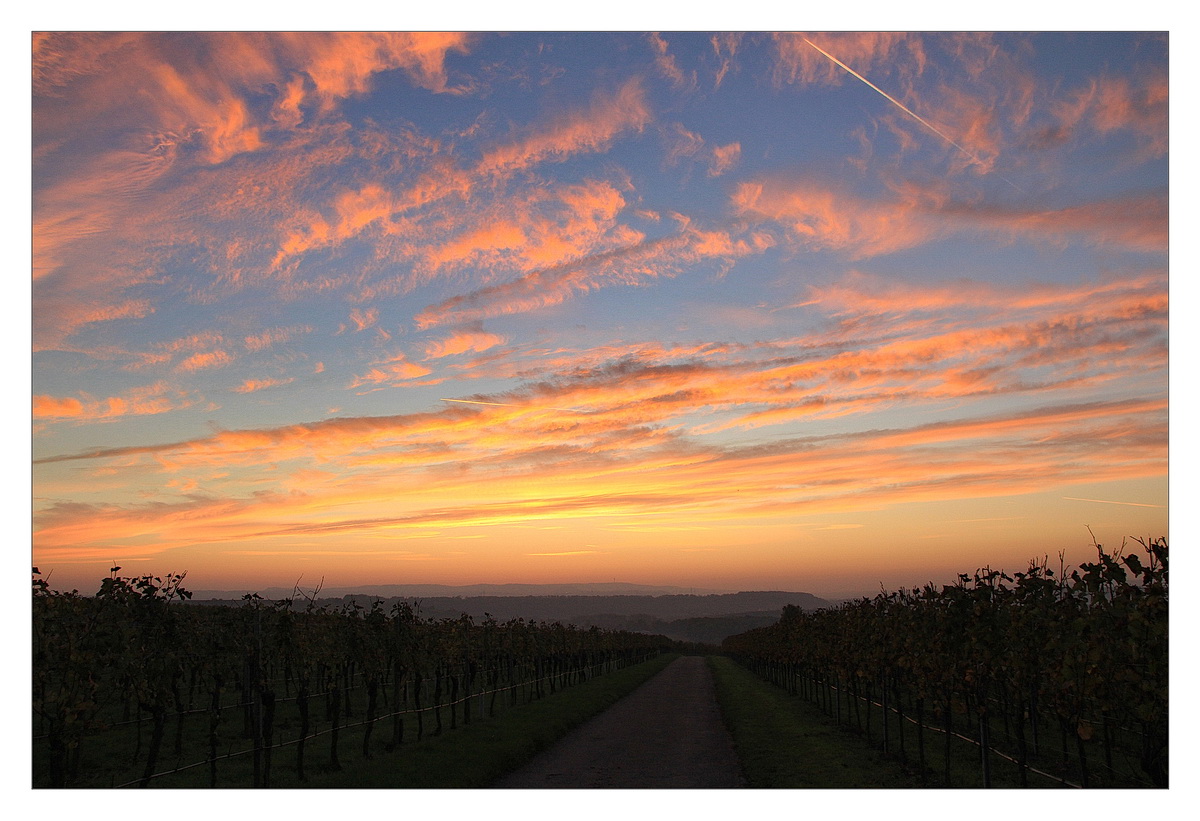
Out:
{"x": 809, "y": 311}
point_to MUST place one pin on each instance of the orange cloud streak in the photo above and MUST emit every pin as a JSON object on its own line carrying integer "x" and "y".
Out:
{"x": 587, "y": 130}
{"x": 467, "y": 341}
{"x": 630, "y": 265}
{"x": 148, "y": 400}
{"x": 824, "y": 218}
{"x": 253, "y": 385}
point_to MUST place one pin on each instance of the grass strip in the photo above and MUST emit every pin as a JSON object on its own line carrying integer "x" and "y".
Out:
{"x": 785, "y": 742}
{"x": 479, "y": 754}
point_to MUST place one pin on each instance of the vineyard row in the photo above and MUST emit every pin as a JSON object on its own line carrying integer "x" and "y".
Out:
{"x": 139, "y": 647}
{"x": 1064, "y": 675}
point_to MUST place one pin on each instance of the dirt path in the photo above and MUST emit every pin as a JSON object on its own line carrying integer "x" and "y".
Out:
{"x": 667, "y": 733}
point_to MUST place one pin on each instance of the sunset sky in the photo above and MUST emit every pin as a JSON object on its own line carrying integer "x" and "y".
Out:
{"x": 813, "y": 311}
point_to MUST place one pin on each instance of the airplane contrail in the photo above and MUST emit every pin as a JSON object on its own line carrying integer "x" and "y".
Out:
{"x": 905, "y": 109}
{"x": 1110, "y": 502}
{"x": 510, "y": 405}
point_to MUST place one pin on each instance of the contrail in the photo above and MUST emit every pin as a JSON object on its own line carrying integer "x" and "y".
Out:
{"x": 906, "y": 110}
{"x": 511, "y": 405}
{"x": 1110, "y": 502}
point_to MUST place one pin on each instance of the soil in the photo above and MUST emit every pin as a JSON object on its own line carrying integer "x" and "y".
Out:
{"x": 666, "y": 734}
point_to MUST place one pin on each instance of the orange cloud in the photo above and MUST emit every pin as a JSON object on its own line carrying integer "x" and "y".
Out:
{"x": 1137, "y": 222}
{"x": 196, "y": 341}
{"x": 149, "y": 400}
{"x": 483, "y": 242}
{"x": 390, "y": 372}
{"x": 859, "y": 293}
{"x": 682, "y": 143}
{"x": 60, "y": 58}
{"x": 274, "y": 336}
{"x": 341, "y": 64}
{"x": 252, "y": 385}
{"x": 364, "y": 319}
{"x": 224, "y": 125}
{"x": 725, "y": 46}
{"x": 474, "y": 341}
{"x": 49, "y": 407}
{"x": 287, "y": 111}
{"x": 724, "y": 158}
{"x": 1108, "y": 105}
{"x": 822, "y": 218}
{"x": 204, "y": 361}
{"x": 354, "y": 211}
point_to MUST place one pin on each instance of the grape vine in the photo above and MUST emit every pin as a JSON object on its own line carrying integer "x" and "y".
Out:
{"x": 1059, "y": 676}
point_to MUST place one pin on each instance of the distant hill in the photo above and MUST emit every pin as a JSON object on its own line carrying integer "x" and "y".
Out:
{"x": 689, "y": 617}
{"x": 568, "y": 608}
{"x": 700, "y": 629}
{"x": 386, "y": 591}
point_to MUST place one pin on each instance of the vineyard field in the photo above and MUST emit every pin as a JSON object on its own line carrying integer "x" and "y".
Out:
{"x": 136, "y": 687}
{"x": 1042, "y": 679}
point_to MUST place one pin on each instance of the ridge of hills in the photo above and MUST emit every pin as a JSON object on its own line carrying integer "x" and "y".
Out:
{"x": 702, "y": 618}
{"x": 446, "y": 590}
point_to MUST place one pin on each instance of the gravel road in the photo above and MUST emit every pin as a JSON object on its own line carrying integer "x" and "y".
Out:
{"x": 666, "y": 734}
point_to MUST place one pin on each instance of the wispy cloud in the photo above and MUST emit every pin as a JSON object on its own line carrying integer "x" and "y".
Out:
{"x": 724, "y": 158}
{"x": 666, "y": 64}
{"x": 725, "y": 47}
{"x": 642, "y": 260}
{"x": 1109, "y": 105}
{"x": 825, "y": 217}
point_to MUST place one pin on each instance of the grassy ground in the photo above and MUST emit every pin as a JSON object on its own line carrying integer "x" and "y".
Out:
{"x": 784, "y": 742}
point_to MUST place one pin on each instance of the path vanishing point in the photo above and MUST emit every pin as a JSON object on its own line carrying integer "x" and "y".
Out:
{"x": 666, "y": 734}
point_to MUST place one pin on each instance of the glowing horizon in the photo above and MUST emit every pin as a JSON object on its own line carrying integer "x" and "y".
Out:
{"x": 700, "y": 310}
